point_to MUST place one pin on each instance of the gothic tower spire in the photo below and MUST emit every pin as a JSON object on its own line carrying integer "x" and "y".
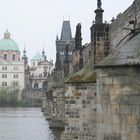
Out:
{"x": 66, "y": 31}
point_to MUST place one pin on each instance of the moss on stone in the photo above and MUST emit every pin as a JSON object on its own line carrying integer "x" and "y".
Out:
{"x": 85, "y": 75}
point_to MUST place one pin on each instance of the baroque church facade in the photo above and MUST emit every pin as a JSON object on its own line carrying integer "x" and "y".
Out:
{"x": 40, "y": 69}
{"x": 36, "y": 77}
{"x": 11, "y": 66}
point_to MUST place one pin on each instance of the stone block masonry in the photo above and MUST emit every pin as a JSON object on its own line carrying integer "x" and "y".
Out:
{"x": 117, "y": 31}
{"x": 118, "y": 104}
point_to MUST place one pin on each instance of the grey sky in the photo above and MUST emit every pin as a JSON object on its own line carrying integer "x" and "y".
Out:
{"x": 36, "y": 22}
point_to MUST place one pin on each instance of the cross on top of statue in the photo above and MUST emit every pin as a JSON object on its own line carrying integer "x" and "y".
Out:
{"x": 99, "y": 4}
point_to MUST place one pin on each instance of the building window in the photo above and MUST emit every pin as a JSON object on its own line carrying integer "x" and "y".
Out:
{"x": 4, "y": 75}
{"x": 36, "y": 85}
{"x": 5, "y": 56}
{"x": 4, "y": 83}
{"x": 15, "y": 68}
{"x": 61, "y": 53}
{"x": 14, "y": 57}
{"x": 15, "y": 76}
{"x": 15, "y": 83}
{"x": 70, "y": 53}
{"x": 4, "y": 68}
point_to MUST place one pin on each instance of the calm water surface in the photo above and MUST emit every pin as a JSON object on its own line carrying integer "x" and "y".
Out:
{"x": 23, "y": 124}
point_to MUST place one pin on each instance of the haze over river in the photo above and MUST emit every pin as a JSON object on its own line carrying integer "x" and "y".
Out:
{"x": 23, "y": 124}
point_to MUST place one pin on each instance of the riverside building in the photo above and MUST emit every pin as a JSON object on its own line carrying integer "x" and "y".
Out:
{"x": 11, "y": 66}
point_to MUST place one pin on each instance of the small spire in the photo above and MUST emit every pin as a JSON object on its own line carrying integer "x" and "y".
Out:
{"x": 25, "y": 58}
{"x": 24, "y": 50}
{"x": 43, "y": 52}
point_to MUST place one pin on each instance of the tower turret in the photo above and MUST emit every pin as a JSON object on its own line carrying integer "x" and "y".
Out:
{"x": 64, "y": 40}
{"x": 99, "y": 35}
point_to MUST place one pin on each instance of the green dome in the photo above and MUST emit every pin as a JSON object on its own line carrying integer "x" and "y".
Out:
{"x": 8, "y": 44}
{"x": 38, "y": 56}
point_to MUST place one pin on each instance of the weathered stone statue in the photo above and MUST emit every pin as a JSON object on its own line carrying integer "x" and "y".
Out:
{"x": 78, "y": 39}
{"x": 99, "y": 4}
{"x": 78, "y": 46}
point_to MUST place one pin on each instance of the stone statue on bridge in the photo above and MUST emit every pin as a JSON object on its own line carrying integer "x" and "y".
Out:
{"x": 99, "y": 4}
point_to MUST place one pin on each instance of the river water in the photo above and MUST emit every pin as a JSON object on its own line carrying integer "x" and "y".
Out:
{"x": 23, "y": 124}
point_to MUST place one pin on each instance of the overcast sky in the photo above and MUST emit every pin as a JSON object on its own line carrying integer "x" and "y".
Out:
{"x": 35, "y": 23}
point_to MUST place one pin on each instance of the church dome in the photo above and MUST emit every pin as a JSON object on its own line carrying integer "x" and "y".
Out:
{"x": 37, "y": 56}
{"x": 7, "y": 43}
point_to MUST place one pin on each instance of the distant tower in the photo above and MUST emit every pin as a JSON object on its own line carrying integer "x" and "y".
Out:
{"x": 65, "y": 39}
{"x": 99, "y": 35}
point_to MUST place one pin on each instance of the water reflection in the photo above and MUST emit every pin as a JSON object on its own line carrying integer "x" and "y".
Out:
{"x": 23, "y": 124}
